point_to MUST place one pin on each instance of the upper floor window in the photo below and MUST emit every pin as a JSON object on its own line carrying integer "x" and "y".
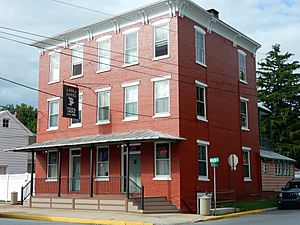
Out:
{"x": 246, "y": 163}
{"x": 53, "y": 105}
{"x": 131, "y": 101}
{"x": 244, "y": 113}
{"x": 77, "y": 60}
{"x": 131, "y": 47}
{"x": 54, "y": 66}
{"x": 161, "y": 38}
{"x": 102, "y": 162}
{"x": 162, "y": 160}
{"x": 201, "y": 100}
{"x": 52, "y": 164}
{"x": 103, "y": 106}
{"x": 104, "y": 48}
{"x": 161, "y": 97}
{"x": 200, "y": 45}
{"x": 5, "y": 122}
{"x": 242, "y": 66}
{"x": 202, "y": 160}
{"x": 78, "y": 122}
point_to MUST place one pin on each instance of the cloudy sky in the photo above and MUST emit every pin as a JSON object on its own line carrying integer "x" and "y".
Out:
{"x": 267, "y": 22}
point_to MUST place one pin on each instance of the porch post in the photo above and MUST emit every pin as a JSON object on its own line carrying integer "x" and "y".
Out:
{"x": 127, "y": 170}
{"x": 91, "y": 172}
{"x": 59, "y": 173}
{"x": 32, "y": 170}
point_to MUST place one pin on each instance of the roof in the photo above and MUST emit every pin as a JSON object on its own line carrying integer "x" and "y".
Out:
{"x": 274, "y": 155}
{"x": 262, "y": 107}
{"x": 114, "y": 138}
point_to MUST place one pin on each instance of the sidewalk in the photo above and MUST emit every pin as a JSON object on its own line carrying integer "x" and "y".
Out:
{"x": 85, "y": 216}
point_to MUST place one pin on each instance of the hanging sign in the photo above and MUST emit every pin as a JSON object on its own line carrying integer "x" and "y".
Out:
{"x": 70, "y": 102}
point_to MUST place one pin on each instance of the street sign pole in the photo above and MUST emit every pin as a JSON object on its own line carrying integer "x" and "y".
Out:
{"x": 215, "y": 191}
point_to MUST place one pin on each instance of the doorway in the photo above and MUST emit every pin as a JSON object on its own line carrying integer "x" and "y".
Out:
{"x": 74, "y": 174}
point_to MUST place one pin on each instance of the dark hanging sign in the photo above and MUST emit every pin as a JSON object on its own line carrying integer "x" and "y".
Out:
{"x": 70, "y": 102}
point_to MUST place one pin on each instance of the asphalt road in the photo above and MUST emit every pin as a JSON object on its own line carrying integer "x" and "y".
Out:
{"x": 275, "y": 217}
{"x": 4, "y": 221}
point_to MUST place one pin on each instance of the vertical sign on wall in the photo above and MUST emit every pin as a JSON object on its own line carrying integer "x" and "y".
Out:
{"x": 70, "y": 102}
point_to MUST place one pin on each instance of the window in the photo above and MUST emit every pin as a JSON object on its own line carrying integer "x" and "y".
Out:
{"x": 103, "y": 106}
{"x": 131, "y": 102}
{"x": 54, "y": 67}
{"x": 5, "y": 122}
{"x": 242, "y": 66}
{"x": 131, "y": 48}
{"x": 202, "y": 160}
{"x": 53, "y": 113}
{"x": 102, "y": 162}
{"x": 52, "y": 164}
{"x": 246, "y": 163}
{"x": 161, "y": 40}
{"x": 201, "y": 100}
{"x": 162, "y": 97}
{"x": 3, "y": 170}
{"x": 75, "y": 122}
{"x": 265, "y": 167}
{"x": 104, "y": 45}
{"x": 162, "y": 160}
{"x": 77, "y": 60}
{"x": 200, "y": 45}
{"x": 244, "y": 113}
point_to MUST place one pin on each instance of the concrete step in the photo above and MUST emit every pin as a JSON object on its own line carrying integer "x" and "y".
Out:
{"x": 161, "y": 211}
{"x": 154, "y": 199}
{"x": 157, "y": 203}
{"x": 159, "y": 207}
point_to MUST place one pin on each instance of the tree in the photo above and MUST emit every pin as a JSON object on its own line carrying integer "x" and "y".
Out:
{"x": 279, "y": 89}
{"x": 25, "y": 113}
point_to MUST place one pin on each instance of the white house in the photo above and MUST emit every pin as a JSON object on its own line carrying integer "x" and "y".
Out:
{"x": 13, "y": 134}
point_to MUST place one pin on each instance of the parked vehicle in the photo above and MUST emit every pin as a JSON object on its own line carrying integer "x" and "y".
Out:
{"x": 290, "y": 194}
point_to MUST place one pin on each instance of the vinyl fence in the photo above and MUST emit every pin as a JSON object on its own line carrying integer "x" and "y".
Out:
{"x": 12, "y": 182}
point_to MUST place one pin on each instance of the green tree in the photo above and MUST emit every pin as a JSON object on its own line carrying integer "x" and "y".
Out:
{"x": 25, "y": 113}
{"x": 279, "y": 89}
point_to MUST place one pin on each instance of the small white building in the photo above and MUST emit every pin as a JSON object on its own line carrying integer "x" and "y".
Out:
{"x": 13, "y": 134}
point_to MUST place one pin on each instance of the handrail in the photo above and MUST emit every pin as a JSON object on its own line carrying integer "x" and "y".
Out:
{"x": 139, "y": 199}
{"x": 23, "y": 198}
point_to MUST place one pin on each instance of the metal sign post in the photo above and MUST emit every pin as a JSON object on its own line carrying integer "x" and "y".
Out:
{"x": 233, "y": 161}
{"x": 214, "y": 163}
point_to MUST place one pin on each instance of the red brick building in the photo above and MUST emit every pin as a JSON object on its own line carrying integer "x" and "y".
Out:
{"x": 172, "y": 81}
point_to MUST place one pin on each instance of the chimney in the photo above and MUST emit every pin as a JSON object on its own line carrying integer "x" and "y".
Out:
{"x": 214, "y": 13}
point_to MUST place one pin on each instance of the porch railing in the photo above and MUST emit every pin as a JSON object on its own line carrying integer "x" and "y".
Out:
{"x": 25, "y": 192}
{"x": 136, "y": 193}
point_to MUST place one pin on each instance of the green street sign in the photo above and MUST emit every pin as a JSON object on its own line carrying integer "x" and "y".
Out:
{"x": 214, "y": 160}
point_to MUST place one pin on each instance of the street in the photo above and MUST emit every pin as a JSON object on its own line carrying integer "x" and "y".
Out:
{"x": 5, "y": 221}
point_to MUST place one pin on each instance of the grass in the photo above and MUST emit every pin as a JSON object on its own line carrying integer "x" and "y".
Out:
{"x": 260, "y": 203}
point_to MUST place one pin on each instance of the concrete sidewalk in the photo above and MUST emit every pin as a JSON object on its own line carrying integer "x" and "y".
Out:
{"x": 95, "y": 217}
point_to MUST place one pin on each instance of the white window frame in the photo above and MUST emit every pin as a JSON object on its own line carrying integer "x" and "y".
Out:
{"x": 108, "y": 56}
{"x": 5, "y": 122}
{"x": 75, "y": 48}
{"x": 159, "y": 79}
{"x": 125, "y": 86}
{"x": 156, "y": 25}
{"x": 162, "y": 177}
{"x": 102, "y": 122}
{"x": 126, "y": 33}
{"x": 51, "y": 55}
{"x": 244, "y": 55}
{"x": 246, "y": 101}
{"x": 206, "y": 144}
{"x": 199, "y": 30}
{"x": 199, "y": 84}
{"x": 52, "y": 178}
{"x": 51, "y": 100}
{"x": 248, "y": 151}
{"x": 73, "y": 125}
{"x": 102, "y": 178}
{"x": 265, "y": 167}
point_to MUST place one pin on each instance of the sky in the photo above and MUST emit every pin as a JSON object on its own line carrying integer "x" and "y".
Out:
{"x": 267, "y": 22}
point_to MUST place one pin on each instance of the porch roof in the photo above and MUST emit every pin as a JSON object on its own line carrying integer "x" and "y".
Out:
{"x": 114, "y": 138}
{"x": 274, "y": 155}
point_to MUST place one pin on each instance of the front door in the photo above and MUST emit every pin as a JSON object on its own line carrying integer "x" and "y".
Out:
{"x": 74, "y": 177}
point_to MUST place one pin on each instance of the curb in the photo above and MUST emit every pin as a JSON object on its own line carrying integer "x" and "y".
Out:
{"x": 210, "y": 218}
{"x": 71, "y": 220}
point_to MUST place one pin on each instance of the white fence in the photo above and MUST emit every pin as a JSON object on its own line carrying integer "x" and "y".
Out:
{"x": 12, "y": 182}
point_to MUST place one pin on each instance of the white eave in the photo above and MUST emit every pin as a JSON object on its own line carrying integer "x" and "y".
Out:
{"x": 142, "y": 15}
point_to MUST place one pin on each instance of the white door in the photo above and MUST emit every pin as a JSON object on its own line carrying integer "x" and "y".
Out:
{"x": 74, "y": 175}
{"x": 135, "y": 172}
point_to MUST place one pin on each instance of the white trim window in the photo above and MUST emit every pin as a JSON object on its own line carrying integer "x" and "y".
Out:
{"x": 78, "y": 122}
{"x": 77, "y": 60}
{"x": 247, "y": 163}
{"x": 53, "y": 105}
{"x": 103, "y": 114}
{"x": 54, "y": 67}
{"x": 265, "y": 167}
{"x": 5, "y": 122}
{"x": 201, "y": 100}
{"x": 200, "y": 45}
{"x": 162, "y": 97}
{"x": 161, "y": 40}
{"x": 131, "y": 48}
{"x": 242, "y": 66}
{"x": 202, "y": 160}
{"x": 244, "y": 113}
{"x": 131, "y": 102}
{"x": 104, "y": 46}
{"x": 102, "y": 162}
{"x": 162, "y": 160}
{"x": 52, "y": 164}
